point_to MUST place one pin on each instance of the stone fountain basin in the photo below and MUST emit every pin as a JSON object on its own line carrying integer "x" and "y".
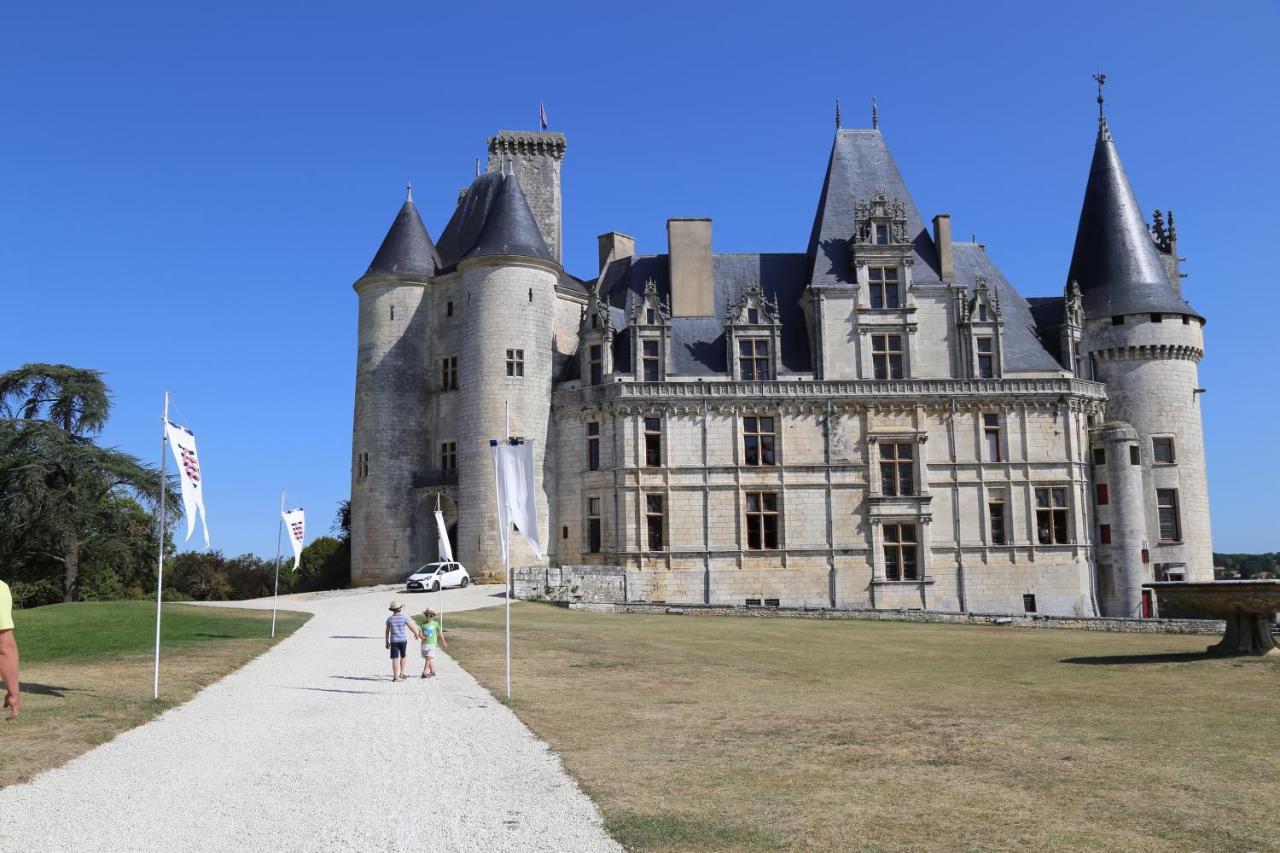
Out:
{"x": 1246, "y": 606}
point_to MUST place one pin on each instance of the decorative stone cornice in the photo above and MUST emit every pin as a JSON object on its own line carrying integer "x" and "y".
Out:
{"x": 1150, "y": 352}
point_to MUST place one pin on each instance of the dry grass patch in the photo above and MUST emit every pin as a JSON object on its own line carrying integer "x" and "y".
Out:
{"x": 696, "y": 733}
{"x": 87, "y": 670}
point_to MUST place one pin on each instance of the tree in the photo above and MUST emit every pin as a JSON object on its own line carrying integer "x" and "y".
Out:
{"x": 57, "y": 487}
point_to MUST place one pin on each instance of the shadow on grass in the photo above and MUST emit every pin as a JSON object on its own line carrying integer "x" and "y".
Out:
{"x": 1165, "y": 657}
{"x": 218, "y": 636}
{"x": 49, "y": 690}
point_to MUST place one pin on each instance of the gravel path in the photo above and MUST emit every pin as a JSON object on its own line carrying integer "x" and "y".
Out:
{"x": 312, "y": 747}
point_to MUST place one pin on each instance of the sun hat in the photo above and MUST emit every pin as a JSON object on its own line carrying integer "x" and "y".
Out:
{"x": 395, "y": 605}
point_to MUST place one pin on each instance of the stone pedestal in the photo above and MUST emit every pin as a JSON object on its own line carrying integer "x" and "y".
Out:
{"x": 1245, "y": 605}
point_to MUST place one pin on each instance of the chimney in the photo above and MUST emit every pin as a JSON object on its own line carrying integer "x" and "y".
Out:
{"x": 689, "y": 258}
{"x": 620, "y": 246}
{"x": 942, "y": 242}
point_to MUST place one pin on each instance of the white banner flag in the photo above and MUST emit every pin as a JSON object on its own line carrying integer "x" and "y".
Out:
{"x": 295, "y": 521}
{"x": 442, "y": 535}
{"x": 517, "y": 504}
{"x": 183, "y": 443}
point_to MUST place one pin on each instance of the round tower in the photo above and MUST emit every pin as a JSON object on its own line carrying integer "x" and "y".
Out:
{"x": 389, "y": 443}
{"x": 1142, "y": 339}
{"x": 508, "y": 282}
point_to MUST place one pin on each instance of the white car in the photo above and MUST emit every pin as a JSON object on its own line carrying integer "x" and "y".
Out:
{"x": 434, "y": 576}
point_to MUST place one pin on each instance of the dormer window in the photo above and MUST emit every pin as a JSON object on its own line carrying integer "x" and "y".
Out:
{"x": 595, "y": 359}
{"x": 753, "y": 316}
{"x": 650, "y": 316}
{"x": 983, "y": 313}
{"x": 986, "y": 358}
{"x": 882, "y": 235}
{"x": 883, "y": 283}
{"x": 650, "y": 360}
{"x": 753, "y": 336}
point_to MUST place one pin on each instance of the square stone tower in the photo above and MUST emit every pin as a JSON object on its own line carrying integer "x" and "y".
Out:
{"x": 536, "y": 158}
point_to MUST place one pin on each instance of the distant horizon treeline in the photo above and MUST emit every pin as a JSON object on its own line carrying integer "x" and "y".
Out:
{"x": 78, "y": 521}
{"x": 1245, "y": 566}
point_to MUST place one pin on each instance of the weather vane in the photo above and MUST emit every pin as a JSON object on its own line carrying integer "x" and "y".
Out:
{"x": 875, "y": 114}
{"x": 837, "y": 113}
{"x": 1101, "y": 80}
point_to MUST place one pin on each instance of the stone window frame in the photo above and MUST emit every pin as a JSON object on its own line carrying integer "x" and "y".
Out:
{"x": 650, "y": 321}
{"x": 775, "y": 434}
{"x": 905, "y": 330}
{"x": 593, "y": 444}
{"x": 974, "y": 327}
{"x": 754, "y": 317}
{"x": 1175, "y": 507}
{"x": 999, "y": 495}
{"x": 362, "y": 465}
{"x": 881, "y": 286}
{"x": 985, "y": 429}
{"x": 598, "y": 517}
{"x": 449, "y": 373}
{"x": 648, "y": 514}
{"x": 923, "y": 523}
{"x": 920, "y": 472}
{"x": 1171, "y": 440}
{"x": 644, "y": 433}
{"x": 762, "y": 514}
{"x": 515, "y": 363}
{"x": 1067, "y": 508}
{"x": 595, "y": 329}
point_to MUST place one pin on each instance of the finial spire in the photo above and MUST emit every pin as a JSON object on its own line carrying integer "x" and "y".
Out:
{"x": 837, "y": 113}
{"x": 875, "y": 114}
{"x": 408, "y": 191}
{"x": 477, "y": 167}
{"x": 1101, "y": 80}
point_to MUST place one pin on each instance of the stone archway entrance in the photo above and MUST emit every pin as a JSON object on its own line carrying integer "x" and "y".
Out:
{"x": 426, "y": 546}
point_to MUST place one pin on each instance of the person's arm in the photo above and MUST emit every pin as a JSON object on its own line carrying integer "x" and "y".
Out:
{"x": 413, "y": 629}
{"x": 387, "y": 635}
{"x": 9, "y": 672}
{"x": 443, "y": 642}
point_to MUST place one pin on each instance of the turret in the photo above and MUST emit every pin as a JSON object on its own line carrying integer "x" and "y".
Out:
{"x": 388, "y": 443}
{"x": 1143, "y": 340}
{"x": 508, "y": 277}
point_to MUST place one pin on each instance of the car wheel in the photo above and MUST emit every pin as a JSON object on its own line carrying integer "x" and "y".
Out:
{"x": 435, "y": 587}
{"x": 465, "y": 582}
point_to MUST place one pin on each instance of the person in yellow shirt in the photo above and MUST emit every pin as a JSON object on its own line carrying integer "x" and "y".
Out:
{"x": 8, "y": 654}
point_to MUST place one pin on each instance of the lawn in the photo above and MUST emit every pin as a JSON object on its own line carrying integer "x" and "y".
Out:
{"x": 696, "y": 733}
{"x": 87, "y": 671}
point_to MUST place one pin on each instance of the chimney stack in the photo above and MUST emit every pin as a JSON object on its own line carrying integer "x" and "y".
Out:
{"x": 689, "y": 256}
{"x": 620, "y": 246}
{"x": 942, "y": 242}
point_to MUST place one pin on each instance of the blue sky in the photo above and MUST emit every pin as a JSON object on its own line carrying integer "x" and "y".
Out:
{"x": 189, "y": 191}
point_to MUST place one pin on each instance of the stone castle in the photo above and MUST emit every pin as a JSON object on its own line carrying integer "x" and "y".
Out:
{"x": 877, "y": 421}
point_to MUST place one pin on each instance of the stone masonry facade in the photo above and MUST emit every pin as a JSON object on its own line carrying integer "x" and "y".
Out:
{"x": 878, "y": 423}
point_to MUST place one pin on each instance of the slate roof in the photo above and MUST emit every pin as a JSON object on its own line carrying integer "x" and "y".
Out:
{"x": 1024, "y": 348}
{"x": 1115, "y": 261}
{"x": 407, "y": 249}
{"x": 1047, "y": 311}
{"x": 698, "y": 344}
{"x": 860, "y": 164}
{"x": 493, "y": 218}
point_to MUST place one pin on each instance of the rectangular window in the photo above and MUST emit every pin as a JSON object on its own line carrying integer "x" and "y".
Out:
{"x": 1135, "y": 458}
{"x": 753, "y": 316}
{"x": 986, "y": 358}
{"x": 448, "y": 456}
{"x": 991, "y": 437}
{"x": 882, "y": 235}
{"x": 449, "y": 373}
{"x": 884, "y": 287}
{"x": 362, "y": 466}
{"x": 1051, "y": 515}
{"x": 753, "y": 359}
{"x": 1029, "y": 603}
{"x": 448, "y": 309}
{"x": 653, "y": 442}
{"x": 886, "y": 356}
{"x": 995, "y": 512}
{"x": 897, "y": 469}
{"x": 1103, "y": 495}
{"x": 593, "y": 525}
{"x": 762, "y": 521}
{"x": 655, "y": 520}
{"x": 515, "y": 362}
{"x": 650, "y": 316}
{"x": 1162, "y": 450}
{"x": 1157, "y": 318}
{"x": 593, "y": 445}
{"x": 1104, "y": 534}
{"x": 758, "y": 440}
{"x": 1167, "y": 508}
{"x": 650, "y": 361}
{"x": 1099, "y": 456}
{"x": 983, "y": 315}
{"x": 900, "y": 552}
{"x": 595, "y": 362}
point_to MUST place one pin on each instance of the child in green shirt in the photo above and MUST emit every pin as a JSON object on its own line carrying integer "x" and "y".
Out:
{"x": 431, "y": 635}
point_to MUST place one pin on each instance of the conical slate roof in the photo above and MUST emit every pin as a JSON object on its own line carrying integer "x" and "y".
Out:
{"x": 407, "y": 249}
{"x": 493, "y": 219}
{"x": 1115, "y": 261}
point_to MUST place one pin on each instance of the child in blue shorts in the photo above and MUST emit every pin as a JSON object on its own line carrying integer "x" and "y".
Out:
{"x": 399, "y": 627}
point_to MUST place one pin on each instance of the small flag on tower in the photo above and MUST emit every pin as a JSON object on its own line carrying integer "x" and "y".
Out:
{"x": 542, "y": 115}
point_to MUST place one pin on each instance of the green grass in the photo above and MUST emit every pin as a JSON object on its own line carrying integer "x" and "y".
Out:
{"x": 86, "y": 671}
{"x": 714, "y": 733}
{"x": 97, "y": 630}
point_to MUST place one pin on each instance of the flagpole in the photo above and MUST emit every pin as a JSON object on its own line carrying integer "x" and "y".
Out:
{"x": 506, "y": 558}
{"x": 439, "y": 586}
{"x": 275, "y": 596}
{"x": 164, "y": 436}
